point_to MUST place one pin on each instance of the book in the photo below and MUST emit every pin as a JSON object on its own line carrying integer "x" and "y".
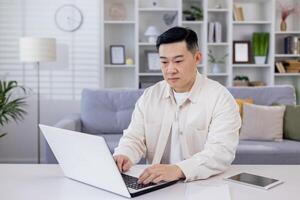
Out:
{"x": 211, "y": 32}
{"x": 238, "y": 13}
{"x": 218, "y": 32}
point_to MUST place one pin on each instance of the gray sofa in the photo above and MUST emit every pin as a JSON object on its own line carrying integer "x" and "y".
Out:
{"x": 108, "y": 113}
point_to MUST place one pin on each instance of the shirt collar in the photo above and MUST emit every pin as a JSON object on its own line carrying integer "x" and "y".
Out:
{"x": 193, "y": 95}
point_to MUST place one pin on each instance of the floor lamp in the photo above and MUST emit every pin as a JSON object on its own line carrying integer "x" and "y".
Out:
{"x": 36, "y": 50}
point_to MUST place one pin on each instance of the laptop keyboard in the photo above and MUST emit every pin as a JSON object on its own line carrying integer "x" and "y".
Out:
{"x": 132, "y": 182}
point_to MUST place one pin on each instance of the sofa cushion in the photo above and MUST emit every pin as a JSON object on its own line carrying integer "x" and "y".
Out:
{"x": 269, "y": 95}
{"x": 107, "y": 111}
{"x": 241, "y": 103}
{"x": 291, "y": 125}
{"x": 266, "y": 152}
{"x": 268, "y": 126}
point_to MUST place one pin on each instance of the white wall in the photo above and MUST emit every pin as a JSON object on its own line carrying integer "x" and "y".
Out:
{"x": 61, "y": 82}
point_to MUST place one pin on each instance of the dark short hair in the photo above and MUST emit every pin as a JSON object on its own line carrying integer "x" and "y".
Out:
{"x": 179, "y": 34}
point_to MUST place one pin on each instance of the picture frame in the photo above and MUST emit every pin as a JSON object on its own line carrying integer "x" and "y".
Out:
{"x": 241, "y": 52}
{"x": 117, "y": 54}
{"x": 153, "y": 61}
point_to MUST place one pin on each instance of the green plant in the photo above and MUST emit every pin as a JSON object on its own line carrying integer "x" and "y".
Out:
{"x": 260, "y": 43}
{"x": 10, "y": 108}
{"x": 213, "y": 59}
{"x": 194, "y": 13}
{"x": 241, "y": 78}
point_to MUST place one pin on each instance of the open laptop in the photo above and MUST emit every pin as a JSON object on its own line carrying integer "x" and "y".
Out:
{"x": 86, "y": 158}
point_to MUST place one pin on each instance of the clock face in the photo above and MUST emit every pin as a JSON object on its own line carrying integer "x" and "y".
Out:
{"x": 68, "y": 18}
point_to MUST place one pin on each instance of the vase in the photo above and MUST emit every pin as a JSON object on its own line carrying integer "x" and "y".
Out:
{"x": 283, "y": 25}
{"x": 216, "y": 68}
{"x": 260, "y": 59}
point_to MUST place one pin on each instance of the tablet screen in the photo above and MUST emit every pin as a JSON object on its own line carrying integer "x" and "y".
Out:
{"x": 253, "y": 179}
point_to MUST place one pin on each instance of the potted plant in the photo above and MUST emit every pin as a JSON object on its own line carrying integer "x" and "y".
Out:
{"x": 194, "y": 13}
{"x": 10, "y": 108}
{"x": 260, "y": 44}
{"x": 216, "y": 62}
{"x": 241, "y": 81}
{"x": 285, "y": 11}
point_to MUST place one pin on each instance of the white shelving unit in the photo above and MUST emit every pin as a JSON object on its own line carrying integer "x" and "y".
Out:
{"x": 140, "y": 14}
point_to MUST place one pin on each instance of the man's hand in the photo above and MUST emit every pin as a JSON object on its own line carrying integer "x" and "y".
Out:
{"x": 160, "y": 172}
{"x": 123, "y": 162}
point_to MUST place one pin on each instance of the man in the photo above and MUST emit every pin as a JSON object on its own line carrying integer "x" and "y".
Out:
{"x": 187, "y": 125}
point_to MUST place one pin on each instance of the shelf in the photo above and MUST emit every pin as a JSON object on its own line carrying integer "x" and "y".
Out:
{"x": 287, "y": 32}
{"x": 219, "y": 74}
{"x": 217, "y": 10}
{"x": 157, "y": 9}
{"x": 192, "y": 22}
{"x": 151, "y": 74}
{"x": 146, "y": 44}
{"x": 218, "y": 44}
{"x": 287, "y": 55}
{"x": 119, "y": 22}
{"x": 119, "y": 66}
{"x": 250, "y": 65}
{"x": 200, "y": 65}
{"x": 287, "y": 74}
{"x": 252, "y": 22}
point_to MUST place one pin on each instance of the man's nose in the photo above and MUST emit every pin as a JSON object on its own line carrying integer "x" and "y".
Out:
{"x": 171, "y": 68}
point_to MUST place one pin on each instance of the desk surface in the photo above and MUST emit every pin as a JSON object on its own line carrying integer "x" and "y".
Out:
{"x": 27, "y": 181}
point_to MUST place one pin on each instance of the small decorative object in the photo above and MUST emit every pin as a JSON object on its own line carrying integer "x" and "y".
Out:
{"x": 152, "y": 33}
{"x": 241, "y": 81}
{"x": 169, "y": 18}
{"x": 11, "y": 108}
{"x": 216, "y": 62}
{"x": 117, "y": 11}
{"x": 194, "y": 13}
{"x": 260, "y": 44}
{"x": 129, "y": 61}
{"x": 238, "y": 13}
{"x": 241, "y": 52}
{"x": 285, "y": 11}
{"x": 68, "y": 18}
{"x": 154, "y": 3}
{"x": 153, "y": 60}
{"x": 117, "y": 54}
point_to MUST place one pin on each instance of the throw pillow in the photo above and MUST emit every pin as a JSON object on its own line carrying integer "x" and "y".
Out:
{"x": 262, "y": 122}
{"x": 291, "y": 125}
{"x": 241, "y": 102}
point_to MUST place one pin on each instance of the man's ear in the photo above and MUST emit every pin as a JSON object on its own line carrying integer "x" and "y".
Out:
{"x": 198, "y": 57}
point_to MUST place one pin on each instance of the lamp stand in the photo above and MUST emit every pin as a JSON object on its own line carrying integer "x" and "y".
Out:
{"x": 38, "y": 114}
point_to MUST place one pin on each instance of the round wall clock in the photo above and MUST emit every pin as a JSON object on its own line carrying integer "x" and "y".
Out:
{"x": 68, "y": 18}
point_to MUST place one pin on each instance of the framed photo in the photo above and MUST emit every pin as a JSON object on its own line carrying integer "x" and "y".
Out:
{"x": 117, "y": 54}
{"x": 153, "y": 61}
{"x": 241, "y": 52}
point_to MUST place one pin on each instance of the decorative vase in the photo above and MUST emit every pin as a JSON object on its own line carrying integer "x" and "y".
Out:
{"x": 283, "y": 25}
{"x": 215, "y": 68}
{"x": 260, "y": 59}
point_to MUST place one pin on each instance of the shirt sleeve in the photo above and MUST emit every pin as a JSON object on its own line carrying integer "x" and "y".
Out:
{"x": 132, "y": 143}
{"x": 222, "y": 140}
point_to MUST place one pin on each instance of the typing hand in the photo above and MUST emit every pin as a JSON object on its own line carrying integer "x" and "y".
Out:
{"x": 160, "y": 172}
{"x": 123, "y": 162}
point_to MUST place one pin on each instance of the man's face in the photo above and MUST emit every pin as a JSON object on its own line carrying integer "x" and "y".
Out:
{"x": 179, "y": 65}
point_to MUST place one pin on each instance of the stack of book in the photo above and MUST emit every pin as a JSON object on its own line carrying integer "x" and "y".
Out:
{"x": 238, "y": 14}
{"x": 288, "y": 66}
{"x": 292, "y": 45}
{"x": 214, "y": 32}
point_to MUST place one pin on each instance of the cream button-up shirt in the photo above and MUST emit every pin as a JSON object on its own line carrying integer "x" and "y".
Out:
{"x": 209, "y": 124}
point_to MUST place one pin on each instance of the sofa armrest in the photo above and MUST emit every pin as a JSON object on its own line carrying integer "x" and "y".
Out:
{"x": 71, "y": 122}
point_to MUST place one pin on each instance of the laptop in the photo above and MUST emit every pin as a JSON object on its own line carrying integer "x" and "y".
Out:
{"x": 86, "y": 158}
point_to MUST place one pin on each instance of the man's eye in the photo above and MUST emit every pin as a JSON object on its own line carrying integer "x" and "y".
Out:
{"x": 178, "y": 61}
{"x": 164, "y": 62}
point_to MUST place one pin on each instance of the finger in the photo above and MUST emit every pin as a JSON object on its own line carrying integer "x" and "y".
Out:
{"x": 158, "y": 179}
{"x": 143, "y": 176}
{"x": 150, "y": 178}
{"x": 120, "y": 161}
{"x": 126, "y": 166}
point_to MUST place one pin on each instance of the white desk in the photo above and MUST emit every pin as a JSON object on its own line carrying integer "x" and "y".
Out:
{"x": 26, "y": 181}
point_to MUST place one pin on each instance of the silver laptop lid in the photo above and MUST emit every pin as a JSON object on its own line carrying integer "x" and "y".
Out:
{"x": 85, "y": 158}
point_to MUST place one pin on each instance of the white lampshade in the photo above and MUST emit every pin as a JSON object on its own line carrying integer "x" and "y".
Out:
{"x": 33, "y": 49}
{"x": 151, "y": 31}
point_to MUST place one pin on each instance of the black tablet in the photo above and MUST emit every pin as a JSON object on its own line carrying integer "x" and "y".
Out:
{"x": 254, "y": 180}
